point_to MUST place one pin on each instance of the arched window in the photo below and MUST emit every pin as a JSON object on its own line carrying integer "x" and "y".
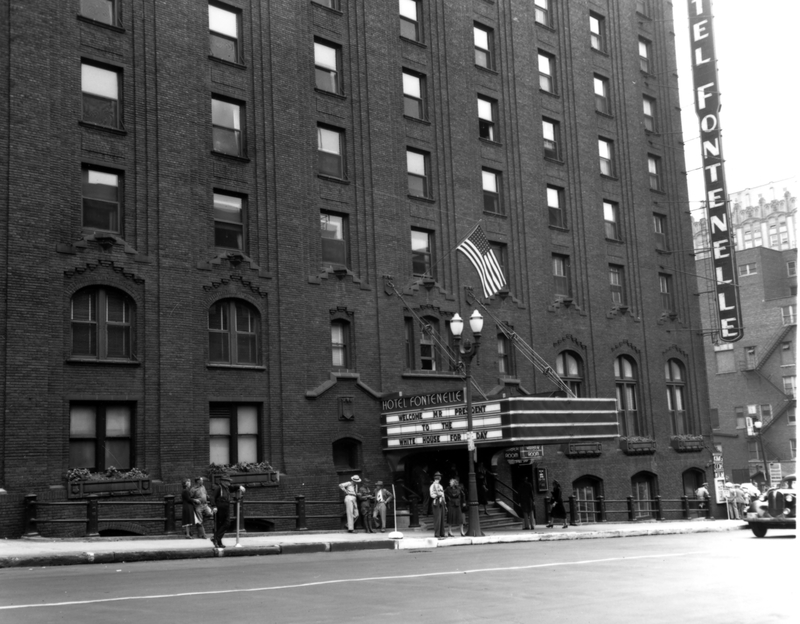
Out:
{"x": 340, "y": 345}
{"x": 569, "y": 367}
{"x": 587, "y": 488}
{"x": 675, "y": 374}
{"x": 626, "y": 378}
{"x": 693, "y": 478}
{"x": 644, "y": 490}
{"x": 102, "y": 324}
{"x": 234, "y": 329}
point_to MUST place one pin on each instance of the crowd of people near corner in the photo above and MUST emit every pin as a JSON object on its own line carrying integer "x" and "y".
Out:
{"x": 198, "y": 505}
{"x": 737, "y": 498}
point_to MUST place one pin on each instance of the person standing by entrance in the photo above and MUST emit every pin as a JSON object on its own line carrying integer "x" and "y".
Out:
{"x": 424, "y": 489}
{"x": 382, "y": 499}
{"x": 526, "y": 504}
{"x": 438, "y": 504}
{"x": 221, "y": 498}
{"x": 557, "y": 511}
{"x": 481, "y": 481}
{"x": 454, "y": 497}
{"x": 350, "y": 489}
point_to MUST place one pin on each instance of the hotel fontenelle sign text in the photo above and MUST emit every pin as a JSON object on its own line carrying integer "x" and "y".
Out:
{"x": 707, "y": 104}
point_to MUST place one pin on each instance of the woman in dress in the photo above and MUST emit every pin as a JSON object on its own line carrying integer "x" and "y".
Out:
{"x": 481, "y": 480}
{"x": 557, "y": 511}
{"x": 455, "y": 518}
{"x": 189, "y": 517}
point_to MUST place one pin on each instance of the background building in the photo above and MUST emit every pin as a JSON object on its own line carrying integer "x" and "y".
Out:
{"x": 204, "y": 203}
{"x": 755, "y": 377}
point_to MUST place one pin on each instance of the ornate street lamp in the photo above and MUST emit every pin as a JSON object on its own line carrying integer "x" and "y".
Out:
{"x": 467, "y": 350}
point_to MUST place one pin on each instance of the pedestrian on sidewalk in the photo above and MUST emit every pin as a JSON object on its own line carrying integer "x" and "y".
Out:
{"x": 481, "y": 481}
{"x": 526, "y": 504}
{"x": 702, "y": 496}
{"x": 382, "y": 499}
{"x": 365, "y": 500}
{"x": 350, "y": 489}
{"x": 189, "y": 517}
{"x": 200, "y": 497}
{"x": 455, "y": 517}
{"x": 221, "y": 498}
{"x": 740, "y": 500}
{"x": 438, "y": 504}
{"x": 557, "y": 511}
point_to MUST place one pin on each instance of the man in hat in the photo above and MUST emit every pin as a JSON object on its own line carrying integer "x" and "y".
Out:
{"x": 382, "y": 499}
{"x": 221, "y": 498}
{"x": 350, "y": 489}
{"x": 438, "y": 504}
{"x": 702, "y": 495}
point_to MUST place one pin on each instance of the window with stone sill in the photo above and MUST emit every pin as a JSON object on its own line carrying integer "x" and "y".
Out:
{"x": 234, "y": 333}
{"x": 102, "y": 11}
{"x": 101, "y": 95}
{"x": 102, "y": 324}
{"x": 225, "y": 28}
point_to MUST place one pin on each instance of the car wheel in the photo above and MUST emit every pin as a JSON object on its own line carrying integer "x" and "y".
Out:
{"x": 759, "y": 530}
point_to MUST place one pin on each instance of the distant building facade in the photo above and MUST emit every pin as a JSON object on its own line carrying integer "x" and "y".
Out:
{"x": 205, "y": 205}
{"x": 753, "y": 380}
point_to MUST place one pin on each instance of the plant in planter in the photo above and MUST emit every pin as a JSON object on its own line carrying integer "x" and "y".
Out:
{"x": 687, "y": 443}
{"x": 82, "y": 482}
{"x": 637, "y": 445}
{"x": 251, "y": 474}
{"x": 583, "y": 449}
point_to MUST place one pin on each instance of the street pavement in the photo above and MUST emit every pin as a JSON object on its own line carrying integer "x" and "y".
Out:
{"x": 39, "y": 551}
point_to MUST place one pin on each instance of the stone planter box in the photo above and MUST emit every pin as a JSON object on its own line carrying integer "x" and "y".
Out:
{"x": 252, "y": 479}
{"x": 638, "y": 447}
{"x": 687, "y": 446}
{"x": 583, "y": 449}
{"x": 108, "y": 487}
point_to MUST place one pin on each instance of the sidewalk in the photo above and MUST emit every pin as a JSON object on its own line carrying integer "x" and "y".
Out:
{"x": 39, "y": 551}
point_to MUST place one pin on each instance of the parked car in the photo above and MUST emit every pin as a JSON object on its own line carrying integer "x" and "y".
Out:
{"x": 774, "y": 509}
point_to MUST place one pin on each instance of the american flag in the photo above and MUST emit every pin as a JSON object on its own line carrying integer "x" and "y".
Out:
{"x": 476, "y": 247}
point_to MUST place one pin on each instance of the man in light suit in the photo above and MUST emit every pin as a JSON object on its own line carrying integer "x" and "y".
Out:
{"x": 350, "y": 489}
{"x": 382, "y": 499}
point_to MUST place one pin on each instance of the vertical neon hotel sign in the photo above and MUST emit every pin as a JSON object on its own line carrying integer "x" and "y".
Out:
{"x": 707, "y": 104}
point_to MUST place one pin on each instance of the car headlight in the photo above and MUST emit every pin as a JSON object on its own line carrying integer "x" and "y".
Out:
{"x": 788, "y": 498}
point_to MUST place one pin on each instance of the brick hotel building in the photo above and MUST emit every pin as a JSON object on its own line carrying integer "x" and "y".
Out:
{"x": 207, "y": 206}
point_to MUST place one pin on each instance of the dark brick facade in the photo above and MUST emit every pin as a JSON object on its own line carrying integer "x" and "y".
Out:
{"x": 164, "y": 257}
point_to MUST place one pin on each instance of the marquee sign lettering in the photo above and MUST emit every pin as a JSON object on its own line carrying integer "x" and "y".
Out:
{"x": 707, "y": 104}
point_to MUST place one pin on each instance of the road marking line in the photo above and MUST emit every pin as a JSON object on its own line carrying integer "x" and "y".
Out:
{"x": 350, "y": 580}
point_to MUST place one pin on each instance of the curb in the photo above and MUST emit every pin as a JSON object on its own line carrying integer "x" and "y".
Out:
{"x": 407, "y": 543}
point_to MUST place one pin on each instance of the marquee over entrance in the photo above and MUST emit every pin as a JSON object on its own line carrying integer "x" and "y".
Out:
{"x": 440, "y": 419}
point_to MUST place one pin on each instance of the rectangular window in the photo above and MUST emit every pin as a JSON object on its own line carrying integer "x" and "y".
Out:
{"x": 789, "y": 315}
{"x": 550, "y": 134}
{"x": 547, "y": 66}
{"x": 644, "y": 55}
{"x": 616, "y": 278}
{"x": 649, "y": 109}
{"x": 725, "y": 358}
{"x": 491, "y": 191}
{"x": 788, "y": 386}
{"x": 601, "y": 99}
{"x": 606, "y": 151}
{"x": 597, "y": 32}
{"x": 229, "y": 221}
{"x": 660, "y": 231}
{"x": 102, "y": 199}
{"x": 766, "y": 413}
{"x": 793, "y": 447}
{"x": 500, "y": 251}
{"x": 665, "y": 288}
{"x": 611, "y": 218}
{"x": 409, "y": 20}
{"x": 429, "y": 352}
{"x": 487, "y": 111}
{"x": 791, "y": 268}
{"x": 561, "y": 276}
{"x": 738, "y": 411}
{"x": 483, "y": 46}
{"x": 103, "y": 11}
{"x": 747, "y": 269}
{"x": 422, "y": 253}
{"x": 642, "y": 8}
{"x": 224, "y": 33}
{"x": 654, "y": 172}
{"x": 787, "y": 354}
{"x": 333, "y": 230}
{"x": 417, "y": 168}
{"x": 233, "y": 433}
{"x": 750, "y": 358}
{"x": 330, "y": 152}
{"x": 227, "y": 120}
{"x": 541, "y": 12}
{"x": 327, "y": 61}
{"x": 555, "y": 206}
{"x": 753, "y": 451}
{"x": 413, "y": 94}
{"x": 331, "y": 4}
{"x": 340, "y": 345}
{"x": 100, "y": 96}
{"x": 790, "y": 415}
{"x": 101, "y": 436}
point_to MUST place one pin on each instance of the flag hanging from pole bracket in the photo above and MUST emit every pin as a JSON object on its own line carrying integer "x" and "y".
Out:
{"x": 476, "y": 247}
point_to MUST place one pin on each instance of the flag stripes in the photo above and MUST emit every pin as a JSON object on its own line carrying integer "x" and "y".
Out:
{"x": 476, "y": 247}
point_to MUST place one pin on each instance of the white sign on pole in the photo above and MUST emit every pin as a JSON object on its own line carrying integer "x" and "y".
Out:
{"x": 721, "y": 490}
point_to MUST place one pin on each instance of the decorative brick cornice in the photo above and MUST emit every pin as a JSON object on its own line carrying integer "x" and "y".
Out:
{"x": 91, "y": 266}
{"x": 626, "y": 343}
{"x": 106, "y": 242}
{"x": 572, "y": 339}
{"x": 235, "y": 279}
{"x": 235, "y": 260}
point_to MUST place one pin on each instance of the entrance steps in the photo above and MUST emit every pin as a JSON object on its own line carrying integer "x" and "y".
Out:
{"x": 493, "y": 517}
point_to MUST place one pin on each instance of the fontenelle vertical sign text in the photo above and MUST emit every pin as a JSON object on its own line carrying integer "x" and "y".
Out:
{"x": 707, "y": 104}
